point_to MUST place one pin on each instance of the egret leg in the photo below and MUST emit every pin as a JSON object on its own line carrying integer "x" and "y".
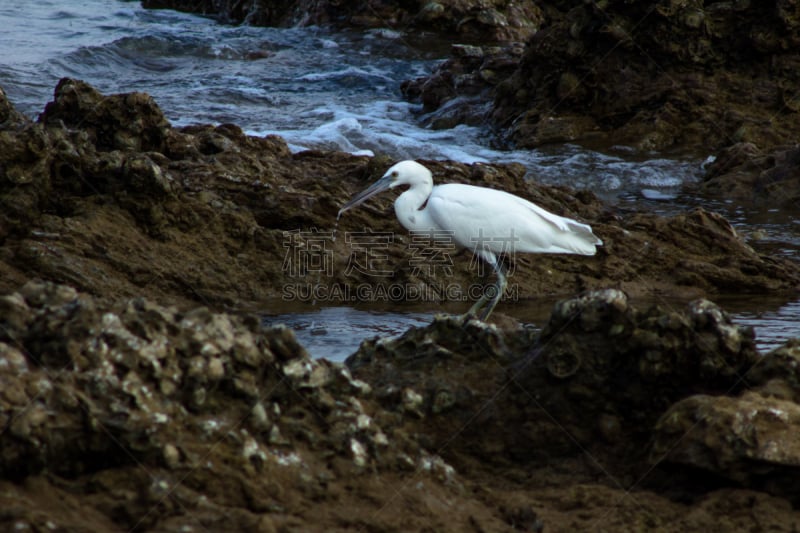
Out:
{"x": 500, "y": 287}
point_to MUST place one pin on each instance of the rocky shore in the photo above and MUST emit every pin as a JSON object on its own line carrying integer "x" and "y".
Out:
{"x": 133, "y": 401}
{"x": 140, "y": 394}
{"x": 138, "y": 417}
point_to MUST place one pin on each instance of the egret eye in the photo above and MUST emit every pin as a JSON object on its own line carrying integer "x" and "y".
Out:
{"x": 394, "y": 174}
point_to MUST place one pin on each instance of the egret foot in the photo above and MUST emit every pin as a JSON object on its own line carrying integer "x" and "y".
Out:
{"x": 476, "y": 307}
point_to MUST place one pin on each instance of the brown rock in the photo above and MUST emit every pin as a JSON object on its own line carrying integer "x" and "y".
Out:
{"x": 473, "y": 20}
{"x": 276, "y": 440}
{"x": 746, "y": 174}
{"x": 9, "y": 117}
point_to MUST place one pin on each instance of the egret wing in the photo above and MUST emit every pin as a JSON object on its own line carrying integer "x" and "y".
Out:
{"x": 495, "y": 220}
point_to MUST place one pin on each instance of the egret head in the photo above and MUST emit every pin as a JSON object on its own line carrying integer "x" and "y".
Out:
{"x": 408, "y": 173}
{"x": 402, "y": 173}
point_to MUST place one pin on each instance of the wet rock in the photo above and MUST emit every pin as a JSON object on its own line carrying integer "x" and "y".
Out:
{"x": 649, "y": 393}
{"x": 144, "y": 175}
{"x": 742, "y": 171}
{"x": 655, "y": 78}
{"x": 470, "y": 19}
{"x": 749, "y": 439}
{"x": 778, "y": 374}
{"x": 431, "y": 11}
{"x": 677, "y": 75}
{"x": 104, "y": 398}
{"x": 10, "y": 118}
{"x": 600, "y": 368}
{"x": 127, "y": 122}
{"x": 457, "y": 91}
{"x": 80, "y": 147}
{"x": 700, "y": 248}
{"x": 700, "y": 347}
{"x": 90, "y": 389}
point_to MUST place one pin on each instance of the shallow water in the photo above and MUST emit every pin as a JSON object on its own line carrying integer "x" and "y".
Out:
{"x": 336, "y": 332}
{"x": 320, "y": 89}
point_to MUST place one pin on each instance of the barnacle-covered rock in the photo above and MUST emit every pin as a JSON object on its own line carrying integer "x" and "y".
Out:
{"x": 748, "y": 438}
{"x": 10, "y": 117}
{"x": 638, "y": 362}
{"x": 109, "y": 121}
{"x": 655, "y": 76}
{"x": 601, "y": 367}
{"x": 446, "y": 347}
{"x": 205, "y": 401}
{"x": 83, "y": 381}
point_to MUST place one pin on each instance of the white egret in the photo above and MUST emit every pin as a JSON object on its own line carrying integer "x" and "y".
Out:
{"x": 486, "y": 221}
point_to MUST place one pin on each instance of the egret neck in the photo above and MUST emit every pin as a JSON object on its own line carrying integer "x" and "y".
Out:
{"x": 411, "y": 208}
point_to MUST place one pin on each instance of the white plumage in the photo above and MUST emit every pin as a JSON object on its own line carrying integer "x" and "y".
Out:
{"x": 486, "y": 221}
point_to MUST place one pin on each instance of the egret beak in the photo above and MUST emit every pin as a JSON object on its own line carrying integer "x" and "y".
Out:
{"x": 379, "y": 186}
